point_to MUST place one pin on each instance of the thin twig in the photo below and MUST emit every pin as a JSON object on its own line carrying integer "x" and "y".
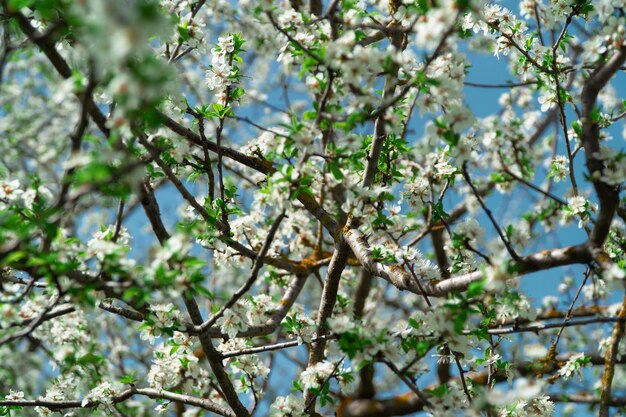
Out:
{"x": 487, "y": 211}
{"x": 568, "y": 315}
{"x": 258, "y": 264}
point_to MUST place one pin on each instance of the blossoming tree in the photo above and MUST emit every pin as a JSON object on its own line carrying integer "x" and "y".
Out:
{"x": 288, "y": 208}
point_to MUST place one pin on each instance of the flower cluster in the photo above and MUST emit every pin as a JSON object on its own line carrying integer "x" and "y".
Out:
{"x": 63, "y": 388}
{"x": 442, "y": 324}
{"x": 233, "y": 321}
{"x": 110, "y": 246}
{"x": 416, "y": 192}
{"x": 174, "y": 362}
{"x": 537, "y": 407}
{"x": 12, "y": 192}
{"x": 614, "y": 172}
{"x": 162, "y": 318}
{"x": 448, "y": 402}
{"x": 267, "y": 142}
{"x": 289, "y": 406}
{"x": 315, "y": 375}
{"x": 223, "y": 74}
{"x": 102, "y": 394}
{"x": 70, "y": 335}
{"x": 14, "y": 395}
{"x": 560, "y": 169}
{"x": 574, "y": 366}
{"x": 250, "y": 365}
{"x": 578, "y": 206}
{"x": 299, "y": 326}
{"x": 437, "y": 22}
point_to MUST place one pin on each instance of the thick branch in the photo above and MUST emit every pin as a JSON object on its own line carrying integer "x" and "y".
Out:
{"x": 215, "y": 361}
{"x": 125, "y": 395}
{"x": 609, "y": 359}
{"x": 535, "y": 262}
{"x": 327, "y": 303}
{"x": 608, "y": 196}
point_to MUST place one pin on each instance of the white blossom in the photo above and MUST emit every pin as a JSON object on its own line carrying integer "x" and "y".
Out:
{"x": 315, "y": 375}
{"x": 289, "y": 406}
{"x": 573, "y": 366}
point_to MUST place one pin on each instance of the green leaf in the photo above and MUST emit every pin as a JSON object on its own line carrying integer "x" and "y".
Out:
{"x": 475, "y": 289}
{"x": 90, "y": 359}
{"x": 200, "y": 290}
{"x": 439, "y": 391}
{"x": 297, "y": 386}
{"x": 19, "y": 4}
{"x": 14, "y": 256}
{"x": 129, "y": 378}
{"x": 334, "y": 168}
{"x": 439, "y": 212}
{"x": 459, "y": 322}
{"x": 183, "y": 31}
